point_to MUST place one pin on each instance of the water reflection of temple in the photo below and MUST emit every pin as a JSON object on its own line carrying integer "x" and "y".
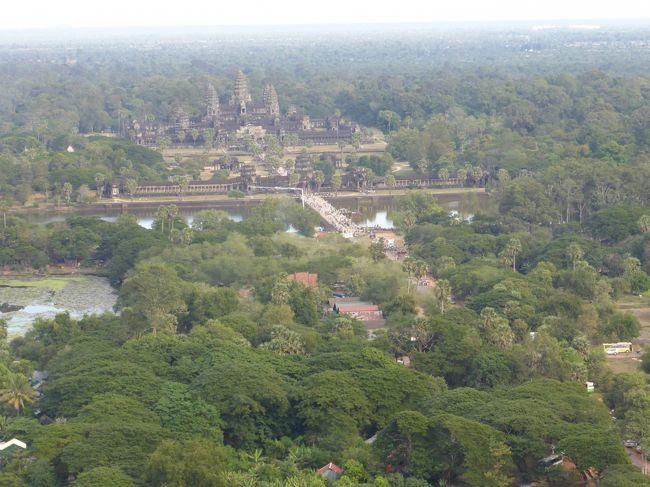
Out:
{"x": 242, "y": 119}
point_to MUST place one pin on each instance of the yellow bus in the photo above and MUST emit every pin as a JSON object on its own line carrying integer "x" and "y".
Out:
{"x": 620, "y": 347}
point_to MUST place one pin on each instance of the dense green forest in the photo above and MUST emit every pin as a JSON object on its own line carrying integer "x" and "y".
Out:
{"x": 218, "y": 370}
{"x": 196, "y": 384}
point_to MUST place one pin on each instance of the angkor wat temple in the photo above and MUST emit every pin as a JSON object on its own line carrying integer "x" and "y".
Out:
{"x": 242, "y": 117}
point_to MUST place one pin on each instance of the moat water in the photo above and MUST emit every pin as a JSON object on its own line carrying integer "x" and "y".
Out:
{"x": 365, "y": 213}
{"x": 47, "y": 297}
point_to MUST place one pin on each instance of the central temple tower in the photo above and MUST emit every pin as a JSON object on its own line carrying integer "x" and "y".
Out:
{"x": 241, "y": 96}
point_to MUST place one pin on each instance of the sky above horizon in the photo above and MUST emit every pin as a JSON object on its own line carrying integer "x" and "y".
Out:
{"x": 30, "y": 14}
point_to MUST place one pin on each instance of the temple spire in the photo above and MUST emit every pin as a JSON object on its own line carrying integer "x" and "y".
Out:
{"x": 211, "y": 102}
{"x": 270, "y": 98}
{"x": 240, "y": 96}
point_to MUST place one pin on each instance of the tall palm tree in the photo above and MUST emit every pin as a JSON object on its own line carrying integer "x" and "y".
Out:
{"x": 390, "y": 182}
{"x": 408, "y": 266}
{"x": 172, "y": 214}
{"x": 644, "y": 223}
{"x": 319, "y": 179}
{"x": 162, "y": 214}
{"x": 4, "y": 206}
{"x": 17, "y": 393}
{"x": 442, "y": 292}
{"x": 574, "y": 253}
{"x": 336, "y": 183}
{"x": 67, "y": 192}
{"x": 512, "y": 249}
{"x": 420, "y": 269}
{"x": 99, "y": 183}
{"x": 187, "y": 235}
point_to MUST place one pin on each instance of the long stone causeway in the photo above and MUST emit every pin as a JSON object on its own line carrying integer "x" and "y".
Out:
{"x": 331, "y": 215}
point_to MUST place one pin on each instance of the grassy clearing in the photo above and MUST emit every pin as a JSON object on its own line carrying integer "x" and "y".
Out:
{"x": 639, "y": 306}
{"x": 53, "y": 283}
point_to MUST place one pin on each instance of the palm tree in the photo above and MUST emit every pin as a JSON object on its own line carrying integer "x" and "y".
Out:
{"x": 442, "y": 292}
{"x": 194, "y": 133}
{"x": 443, "y": 174}
{"x": 644, "y": 223}
{"x": 172, "y": 214}
{"x": 420, "y": 269}
{"x": 408, "y": 266}
{"x": 99, "y": 183}
{"x": 477, "y": 173}
{"x": 503, "y": 176}
{"x": 67, "y": 192}
{"x": 162, "y": 214}
{"x": 17, "y": 393}
{"x": 4, "y": 206}
{"x": 131, "y": 186}
{"x": 511, "y": 250}
{"x": 390, "y": 182}
{"x": 461, "y": 174}
{"x": 336, "y": 183}
{"x": 285, "y": 342}
{"x": 488, "y": 318}
{"x": 319, "y": 179}
{"x": 187, "y": 235}
{"x": 208, "y": 137}
{"x": 575, "y": 253}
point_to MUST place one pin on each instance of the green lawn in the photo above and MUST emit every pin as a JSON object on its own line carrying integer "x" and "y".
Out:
{"x": 54, "y": 283}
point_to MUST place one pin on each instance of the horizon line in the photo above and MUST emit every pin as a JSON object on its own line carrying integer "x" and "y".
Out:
{"x": 448, "y": 22}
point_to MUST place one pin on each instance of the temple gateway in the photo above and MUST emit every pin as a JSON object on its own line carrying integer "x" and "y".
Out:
{"x": 243, "y": 118}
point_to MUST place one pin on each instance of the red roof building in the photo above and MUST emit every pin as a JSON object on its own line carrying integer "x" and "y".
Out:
{"x": 331, "y": 471}
{"x": 355, "y": 307}
{"x": 309, "y": 280}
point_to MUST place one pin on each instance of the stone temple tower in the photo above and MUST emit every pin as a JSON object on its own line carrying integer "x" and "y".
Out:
{"x": 241, "y": 96}
{"x": 271, "y": 104}
{"x": 211, "y": 103}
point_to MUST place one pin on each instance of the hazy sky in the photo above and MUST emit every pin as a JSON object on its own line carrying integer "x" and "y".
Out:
{"x": 108, "y": 13}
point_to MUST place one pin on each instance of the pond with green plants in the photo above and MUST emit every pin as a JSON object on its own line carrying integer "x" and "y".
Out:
{"x": 22, "y": 301}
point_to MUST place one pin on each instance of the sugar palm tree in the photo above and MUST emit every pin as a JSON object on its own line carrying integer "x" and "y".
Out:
{"x": 442, "y": 292}
{"x": 162, "y": 214}
{"x": 644, "y": 223}
{"x": 172, "y": 214}
{"x": 408, "y": 266}
{"x": 511, "y": 251}
{"x": 99, "y": 183}
{"x": 574, "y": 253}
{"x": 17, "y": 393}
{"x": 390, "y": 182}
{"x": 4, "y": 206}
{"x": 420, "y": 269}
{"x": 336, "y": 183}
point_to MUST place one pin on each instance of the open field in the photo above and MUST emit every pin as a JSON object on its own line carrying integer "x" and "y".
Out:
{"x": 639, "y": 307}
{"x": 377, "y": 147}
{"x": 54, "y": 283}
